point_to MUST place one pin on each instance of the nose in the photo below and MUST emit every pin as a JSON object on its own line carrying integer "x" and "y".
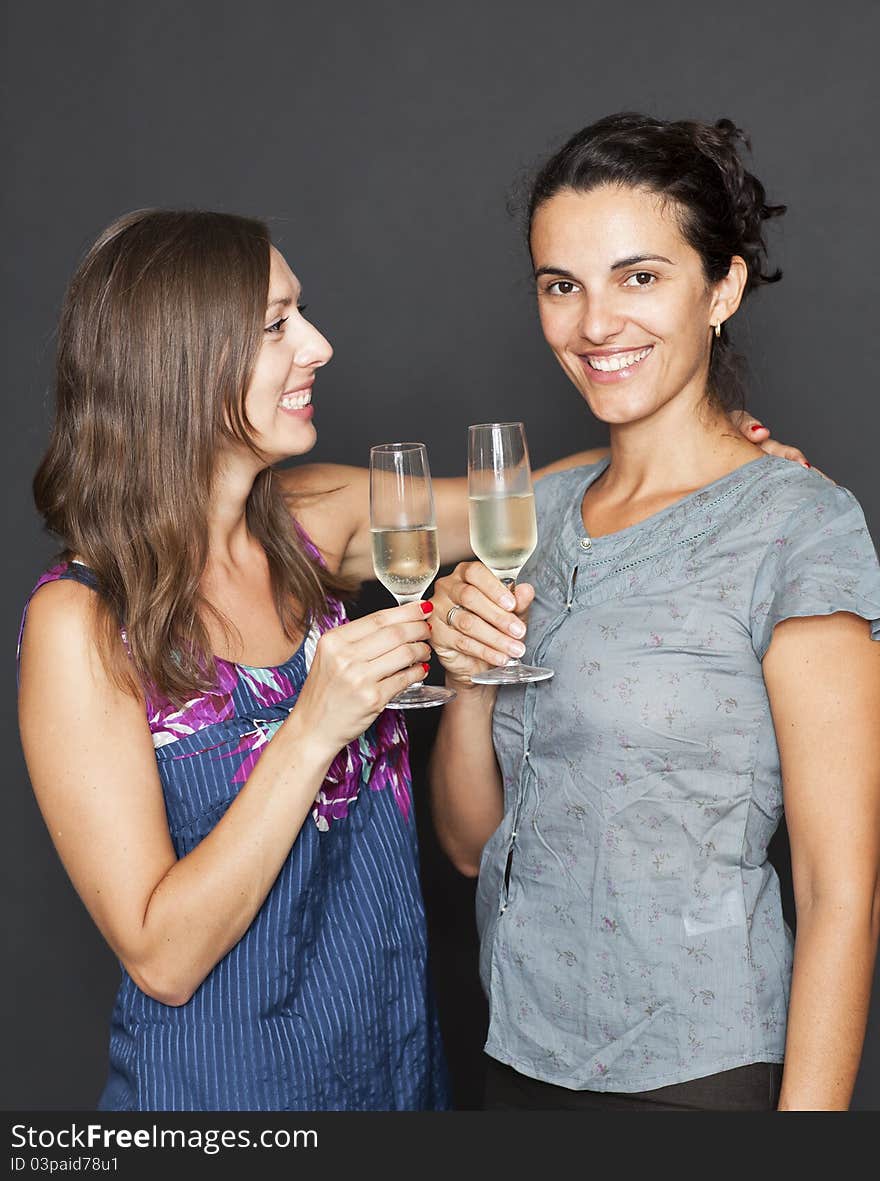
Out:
{"x": 601, "y": 320}
{"x": 313, "y": 350}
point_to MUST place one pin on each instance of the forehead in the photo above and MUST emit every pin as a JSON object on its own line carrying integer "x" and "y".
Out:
{"x": 603, "y": 225}
{"x": 283, "y": 283}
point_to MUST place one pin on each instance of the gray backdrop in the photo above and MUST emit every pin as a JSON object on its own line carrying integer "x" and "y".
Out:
{"x": 381, "y": 141}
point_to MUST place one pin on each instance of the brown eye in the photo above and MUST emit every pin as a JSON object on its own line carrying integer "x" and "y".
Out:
{"x": 640, "y": 279}
{"x": 561, "y": 287}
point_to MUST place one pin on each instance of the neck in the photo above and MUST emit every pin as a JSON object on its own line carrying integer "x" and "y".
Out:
{"x": 229, "y": 542}
{"x": 684, "y": 445}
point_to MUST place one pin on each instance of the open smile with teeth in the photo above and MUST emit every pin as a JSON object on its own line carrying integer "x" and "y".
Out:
{"x": 296, "y": 400}
{"x": 612, "y": 363}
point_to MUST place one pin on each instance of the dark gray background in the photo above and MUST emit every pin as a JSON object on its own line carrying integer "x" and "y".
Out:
{"x": 381, "y": 141}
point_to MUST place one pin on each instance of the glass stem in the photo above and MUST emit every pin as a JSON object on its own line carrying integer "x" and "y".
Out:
{"x": 413, "y": 690}
{"x": 510, "y": 583}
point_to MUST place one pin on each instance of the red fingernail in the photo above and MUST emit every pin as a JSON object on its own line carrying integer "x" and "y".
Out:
{"x": 807, "y": 464}
{"x": 427, "y": 607}
{"x": 757, "y": 426}
{"x": 426, "y": 667}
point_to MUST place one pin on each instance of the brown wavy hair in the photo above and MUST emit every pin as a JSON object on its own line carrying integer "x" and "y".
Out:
{"x": 158, "y": 337}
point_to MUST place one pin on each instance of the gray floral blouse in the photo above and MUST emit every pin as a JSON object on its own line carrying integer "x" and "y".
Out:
{"x": 631, "y": 928}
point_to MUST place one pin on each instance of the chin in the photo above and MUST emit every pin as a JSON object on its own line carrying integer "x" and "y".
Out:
{"x": 619, "y": 409}
{"x": 290, "y": 448}
{"x": 304, "y": 440}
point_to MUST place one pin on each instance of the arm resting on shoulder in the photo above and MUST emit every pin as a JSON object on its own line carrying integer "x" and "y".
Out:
{"x": 823, "y": 679}
{"x": 332, "y": 503}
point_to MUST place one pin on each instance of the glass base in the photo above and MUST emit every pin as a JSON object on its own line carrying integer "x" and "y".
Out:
{"x": 421, "y": 697}
{"x": 512, "y": 674}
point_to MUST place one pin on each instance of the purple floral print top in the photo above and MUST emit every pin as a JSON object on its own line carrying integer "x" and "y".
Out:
{"x": 631, "y": 928}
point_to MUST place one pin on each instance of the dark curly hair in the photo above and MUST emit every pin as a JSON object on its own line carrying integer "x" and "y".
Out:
{"x": 697, "y": 168}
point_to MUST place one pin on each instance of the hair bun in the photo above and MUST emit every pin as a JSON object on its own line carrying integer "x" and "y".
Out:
{"x": 723, "y": 144}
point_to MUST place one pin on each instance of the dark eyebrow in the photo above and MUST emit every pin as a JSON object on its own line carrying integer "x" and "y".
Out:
{"x": 632, "y": 261}
{"x": 637, "y": 258}
{"x": 553, "y": 271}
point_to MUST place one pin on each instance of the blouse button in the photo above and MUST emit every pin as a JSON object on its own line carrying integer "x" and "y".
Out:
{"x": 586, "y": 543}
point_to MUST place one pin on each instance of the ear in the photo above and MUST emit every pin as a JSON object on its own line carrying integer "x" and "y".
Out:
{"x": 728, "y": 292}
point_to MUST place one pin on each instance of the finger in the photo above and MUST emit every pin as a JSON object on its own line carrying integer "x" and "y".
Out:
{"x": 477, "y": 575}
{"x": 411, "y": 614}
{"x": 399, "y": 658}
{"x": 383, "y": 640}
{"x": 753, "y": 429}
{"x": 784, "y": 451}
{"x": 408, "y": 613}
{"x": 451, "y": 644}
{"x": 473, "y": 636}
{"x": 475, "y": 602}
{"x": 440, "y": 603}
{"x": 525, "y": 594}
{"x": 395, "y": 684}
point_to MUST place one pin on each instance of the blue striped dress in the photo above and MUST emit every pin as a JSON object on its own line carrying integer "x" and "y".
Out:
{"x": 325, "y": 1001}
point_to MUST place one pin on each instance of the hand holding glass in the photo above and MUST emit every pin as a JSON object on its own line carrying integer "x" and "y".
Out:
{"x": 404, "y": 536}
{"x": 503, "y": 527}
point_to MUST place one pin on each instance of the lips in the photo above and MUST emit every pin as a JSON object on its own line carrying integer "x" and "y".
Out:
{"x": 612, "y": 365}
{"x": 296, "y": 399}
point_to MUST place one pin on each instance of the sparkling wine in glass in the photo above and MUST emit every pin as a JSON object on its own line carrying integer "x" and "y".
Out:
{"x": 503, "y": 528}
{"x": 404, "y": 536}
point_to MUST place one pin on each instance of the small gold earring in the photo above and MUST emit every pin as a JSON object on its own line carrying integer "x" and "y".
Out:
{"x": 718, "y": 329}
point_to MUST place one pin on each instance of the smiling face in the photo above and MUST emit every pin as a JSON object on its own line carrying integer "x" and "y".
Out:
{"x": 278, "y": 402}
{"x": 623, "y": 300}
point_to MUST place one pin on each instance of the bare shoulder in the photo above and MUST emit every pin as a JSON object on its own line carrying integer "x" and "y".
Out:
{"x": 60, "y": 621}
{"x": 59, "y": 653}
{"x": 331, "y": 503}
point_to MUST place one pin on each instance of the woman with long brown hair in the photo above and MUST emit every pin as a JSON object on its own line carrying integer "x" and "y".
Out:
{"x": 204, "y": 730}
{"x": 263, "y": 897}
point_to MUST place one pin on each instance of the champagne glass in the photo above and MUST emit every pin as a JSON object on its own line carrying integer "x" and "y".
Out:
{"x": 503, "y": 527}
{"x": 404, "y": 535}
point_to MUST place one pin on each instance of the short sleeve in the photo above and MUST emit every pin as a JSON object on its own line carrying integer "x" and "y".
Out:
{"x": 820, "y": 561}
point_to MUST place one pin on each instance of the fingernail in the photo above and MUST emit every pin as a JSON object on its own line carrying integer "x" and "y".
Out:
{"x": 516, "y": 649}
{"x": 426, "y": 667}
{"x": 427, "y": 607}
{"x": 517, "y": 629}
{"x": 809, "y": 465}
{"x": 508, "y": 602}
{"x": 757, "y": 426}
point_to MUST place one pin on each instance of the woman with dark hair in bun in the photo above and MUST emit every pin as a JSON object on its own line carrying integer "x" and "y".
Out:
{"x": 709, "y": 613}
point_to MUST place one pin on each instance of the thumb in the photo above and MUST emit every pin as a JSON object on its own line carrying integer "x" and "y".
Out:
{"x": 524, "y": 593}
